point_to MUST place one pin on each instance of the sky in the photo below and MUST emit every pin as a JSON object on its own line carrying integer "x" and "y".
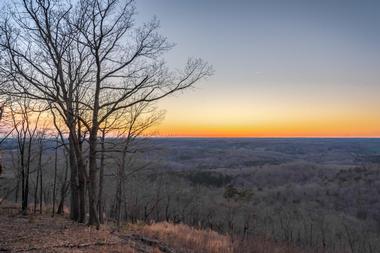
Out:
{"x": 283, "y": 68}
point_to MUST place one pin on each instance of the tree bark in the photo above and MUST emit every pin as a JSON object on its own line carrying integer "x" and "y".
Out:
{"x": 27, "y": 172}
{"x": 74, "y": 192}
{"x": 101, "y": 178}
{"x": 64, "y": 188}
{"x": 93, "y": 212}
{"x": 55, "y": 176}
{"x": 36, "y": 190}
{"x": 40, "y": 174}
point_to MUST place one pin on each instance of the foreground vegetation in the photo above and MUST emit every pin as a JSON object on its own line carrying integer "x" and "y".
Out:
{"x": 318, "y": 195}
{"x": 42, "y": 233}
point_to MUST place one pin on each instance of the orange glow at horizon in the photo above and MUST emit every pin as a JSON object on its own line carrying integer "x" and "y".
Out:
{"x": 290, "y": 120}
{"x": 246, "y": 114}
{"x": 265, "y": 131}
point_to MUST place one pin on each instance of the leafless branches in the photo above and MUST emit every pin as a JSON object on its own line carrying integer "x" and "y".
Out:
{"x": 88, "y": 63}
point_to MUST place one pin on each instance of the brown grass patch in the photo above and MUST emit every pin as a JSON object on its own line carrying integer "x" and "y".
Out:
{"x": 190, "y": 240}
{"x": 186, "y": 239}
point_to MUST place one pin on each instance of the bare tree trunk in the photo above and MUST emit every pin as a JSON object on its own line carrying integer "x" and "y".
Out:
{"x": 119, "y": 187}
{"x": 55, "y": 176}
{"x": 22, "y": 169}
{"x": 82, "y": 193}
{"x": 17, "y": 188}
{"x": 26, "y": 187}
{"x": 101, "y": 178}
{"x": 36, "y": 190}
{"x": 118, "y": 202}
{"x": 82, "y": 178}
{"x": 64, "y": 188}
{"x": 38, "y": 181}
{"x": 82, "y": 186}
{"x": 74, "y": 191}
{"x": 40, "y": 168}
{"x": 93, "y": 212}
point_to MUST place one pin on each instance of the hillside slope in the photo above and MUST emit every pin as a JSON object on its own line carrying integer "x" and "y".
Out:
{"x": 42, "y": 233}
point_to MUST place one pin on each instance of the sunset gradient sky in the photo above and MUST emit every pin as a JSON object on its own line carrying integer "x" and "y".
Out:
{"x": 283, "y": 68}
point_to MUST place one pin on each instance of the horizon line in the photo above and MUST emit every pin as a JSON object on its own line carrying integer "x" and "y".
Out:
{"x": 263, "y": 137}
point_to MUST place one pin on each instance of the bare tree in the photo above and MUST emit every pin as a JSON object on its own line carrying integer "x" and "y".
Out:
{"x": 126, "y": 71}
{"x": 25, "y": 116}
{"x": 84, "y": 58}
{"x": 42, "y": 61}
{"x": 107, "y": 127}
{"x": 138, "y": 119}
{"x": 40, "y": 136}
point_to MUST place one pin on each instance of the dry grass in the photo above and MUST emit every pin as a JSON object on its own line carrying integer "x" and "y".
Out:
{"x": 186, "y": 239}
{"x": 190, "y": 240}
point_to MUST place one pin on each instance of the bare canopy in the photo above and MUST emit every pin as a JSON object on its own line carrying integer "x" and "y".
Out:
{"x": 87, "y": 60}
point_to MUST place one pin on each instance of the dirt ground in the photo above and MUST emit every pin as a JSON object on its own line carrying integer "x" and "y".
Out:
{"x": 42, "y": 233}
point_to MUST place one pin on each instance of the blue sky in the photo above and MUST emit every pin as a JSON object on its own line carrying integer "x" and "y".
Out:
{"x": 279, "y": 62}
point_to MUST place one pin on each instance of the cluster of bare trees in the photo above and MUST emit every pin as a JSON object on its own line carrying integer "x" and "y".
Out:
{"x": 242, "y": 214}
{"x": 92, "y": 71}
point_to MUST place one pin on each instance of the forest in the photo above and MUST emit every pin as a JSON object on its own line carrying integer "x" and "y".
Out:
{"x": 318, "y": 194}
